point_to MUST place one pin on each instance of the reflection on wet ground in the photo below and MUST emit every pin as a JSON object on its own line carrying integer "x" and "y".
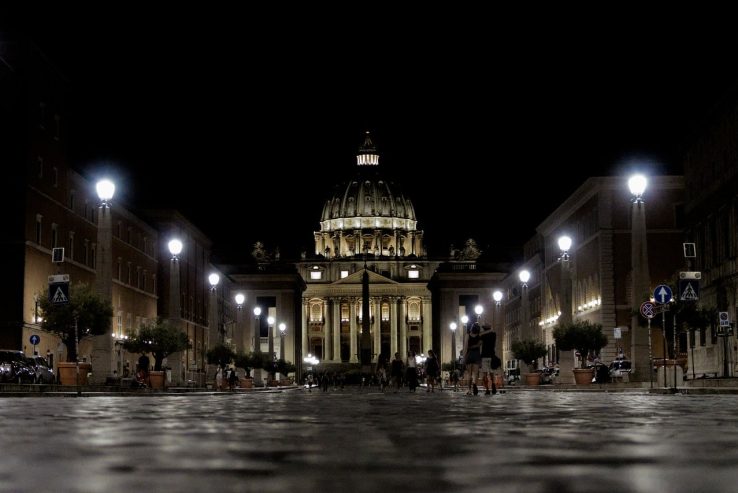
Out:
{"x": 366, "y": 442}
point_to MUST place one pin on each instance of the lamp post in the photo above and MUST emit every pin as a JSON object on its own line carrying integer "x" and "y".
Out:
{"x": 640, "y": 276}
{"x": 257, "y": 329}
{"x": 453, "y": 326}
{"x": 102, "y": 349}
{"x": 565, "y": 311}
{"x": 214, "y": 334}
{"x": 524, "y": 276}
{"x": 270, "y": 337}
{"x": 282, "y": 330}
{"x": 175, "y": 312}
{"x": 236, "y": 337}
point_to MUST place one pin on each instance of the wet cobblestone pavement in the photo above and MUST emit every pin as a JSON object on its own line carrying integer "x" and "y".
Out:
{"x": 365, "y": 442}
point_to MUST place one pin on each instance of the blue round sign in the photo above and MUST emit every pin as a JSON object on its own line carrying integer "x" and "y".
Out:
{"x": 662, "y": 294}
{"x": 35, "y": 339}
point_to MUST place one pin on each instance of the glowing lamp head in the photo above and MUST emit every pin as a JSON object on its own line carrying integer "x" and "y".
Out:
{"x": 213, "y": 279}
{"x": 497, "y": 296}
{"x": 524, "y": 276}
{"x": 564, "y": 243}
{"x": 257, "y": 311}
{"x": 464, "y": 319}
{"x": 452, "y": 326}
{"x": 175, "y": 247}
{"x": 240, "y": 298}
{"x": 478, "y": 309}
{"x": 105, "y": 190}
{"x": 270, "y": 320}
{"x": 637, "y": 185}
{"x": 282, "y": 328}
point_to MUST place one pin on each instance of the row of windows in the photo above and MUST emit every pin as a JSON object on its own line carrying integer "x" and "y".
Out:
{"x": 316, "y": 274}
{"x": 413, "y": 310}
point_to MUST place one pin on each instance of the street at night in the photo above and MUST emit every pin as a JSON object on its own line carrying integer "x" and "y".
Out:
{"x": 531, "y": 441}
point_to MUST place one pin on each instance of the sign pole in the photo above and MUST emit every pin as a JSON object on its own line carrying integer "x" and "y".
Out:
{"x": 650, "y": 354}
{"x": 76, "y": 352}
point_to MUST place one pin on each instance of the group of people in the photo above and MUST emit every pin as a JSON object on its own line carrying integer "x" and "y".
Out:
{"x": 225, "y": 376}
{"x": 479, "y": 356}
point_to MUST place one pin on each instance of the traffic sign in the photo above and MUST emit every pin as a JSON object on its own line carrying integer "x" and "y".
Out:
{"x": 35, "y": 339}
{"x": 689, "y": 289}
{"x": 59, "y": 289}
{"x": 648, "y": 309}
{"x": 662, "y": 294}
{"x": 724, "y": 321}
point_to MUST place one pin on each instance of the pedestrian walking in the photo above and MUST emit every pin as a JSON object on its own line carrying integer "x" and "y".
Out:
{"x": 412, "y": 371}
{"x": 473, "y": 356}
{"x": 432, "y": 370}
{"x": 396, "y": 369}
{"x": 489, "y": 361}
{"x": 219, "y": 379}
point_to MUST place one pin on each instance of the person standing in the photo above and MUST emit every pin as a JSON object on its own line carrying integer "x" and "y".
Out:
{"x": 396, "y": 371}
{"x": 412, "y": 371}
{"x": 219, "y": 379}
{"x": 473, "y": 356}
{"x": 488, "y": 338}
{"x": 432, "y": 370}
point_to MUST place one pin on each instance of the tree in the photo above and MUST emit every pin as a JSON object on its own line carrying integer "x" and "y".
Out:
{"x": 91, "y": 313}
{"x": 220, "y": 354}
{"x": 529, "y": 350}
{"x": 584, "y": 336}
{"x": 158, "y": 338}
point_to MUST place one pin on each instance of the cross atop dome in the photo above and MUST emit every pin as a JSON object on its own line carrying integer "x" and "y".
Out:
{"x": 367, "y": 155}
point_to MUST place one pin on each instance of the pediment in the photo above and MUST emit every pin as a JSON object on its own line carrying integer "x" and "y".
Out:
{"x": 374, "y": 278}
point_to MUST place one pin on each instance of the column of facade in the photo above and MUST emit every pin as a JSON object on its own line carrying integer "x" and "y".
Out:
{"x": 427, "y": 342}
{"x": 412, "y": 242}
{"x": 305, "y": 315}
{"x": 377, "y": 242}
{"x": 377, "y": 327}
{"x": 339, "y": 248}
{"x": 353, "y": 358}
{"x": 395, "y": 245}
{"x": 327, "y": 330}
{"x": 403, "y": 327}
{"x": 357, "y": 242}
{"x": 337, "y": 330}
{"x": 393, "y": 326}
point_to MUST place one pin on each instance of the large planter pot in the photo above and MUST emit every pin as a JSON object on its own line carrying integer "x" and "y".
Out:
{"x": 583, "y": 376}
{"x": 157, "y": 379}
{"x": 246, "y": 383}
{"x": 532, "y": 378}
{"x": 68, "y": 373}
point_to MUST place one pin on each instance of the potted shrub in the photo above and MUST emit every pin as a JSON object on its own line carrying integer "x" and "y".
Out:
{"x": 529, "y": 350}
{"x": 243, "y": 360}
{"x": 584, "y": 337}
{"x": 160, "y": 339}
{"x": 86, "y": 315}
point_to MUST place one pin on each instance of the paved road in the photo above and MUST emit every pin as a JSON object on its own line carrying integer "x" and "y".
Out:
{"x": 366, "y": 442}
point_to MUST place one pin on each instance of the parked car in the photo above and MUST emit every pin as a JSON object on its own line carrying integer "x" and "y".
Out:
{"x": 43, "y": 374}
{"x": 14, "y": 368}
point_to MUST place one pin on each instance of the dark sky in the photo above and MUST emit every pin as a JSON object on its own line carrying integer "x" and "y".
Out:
{"x": 488, "y": 126}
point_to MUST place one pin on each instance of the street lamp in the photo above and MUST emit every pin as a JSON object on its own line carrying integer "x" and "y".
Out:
{"x": 497, "y": 296}
{"x": 213, "y": 326}
{"x": 564, "y": 245}
{"x": 213, "y": 279}
{"x": 270, "y": 337}
{"x": 524, "y": 276}
{"x": 102, "y": 352}
{"x": 640, "y": 275}
{"x": 478, "y": 310}
{"x": 282, "y": 330}
{"x": 453, "y": 326}
{"x": 175, "y": 310}
{"x": 257, "y": 330}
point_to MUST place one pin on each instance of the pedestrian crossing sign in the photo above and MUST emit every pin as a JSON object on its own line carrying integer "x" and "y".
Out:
{"x": 689, "y": 289}
{"x": 59, "y": 293}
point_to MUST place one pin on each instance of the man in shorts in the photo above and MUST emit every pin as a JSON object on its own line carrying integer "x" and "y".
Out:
{"x": 489, "y": 361}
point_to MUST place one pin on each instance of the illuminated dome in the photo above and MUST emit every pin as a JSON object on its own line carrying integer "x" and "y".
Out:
{"x": 368, "y": 215}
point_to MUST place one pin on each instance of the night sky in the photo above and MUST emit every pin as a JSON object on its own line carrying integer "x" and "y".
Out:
{"x": 271, "y": 111}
